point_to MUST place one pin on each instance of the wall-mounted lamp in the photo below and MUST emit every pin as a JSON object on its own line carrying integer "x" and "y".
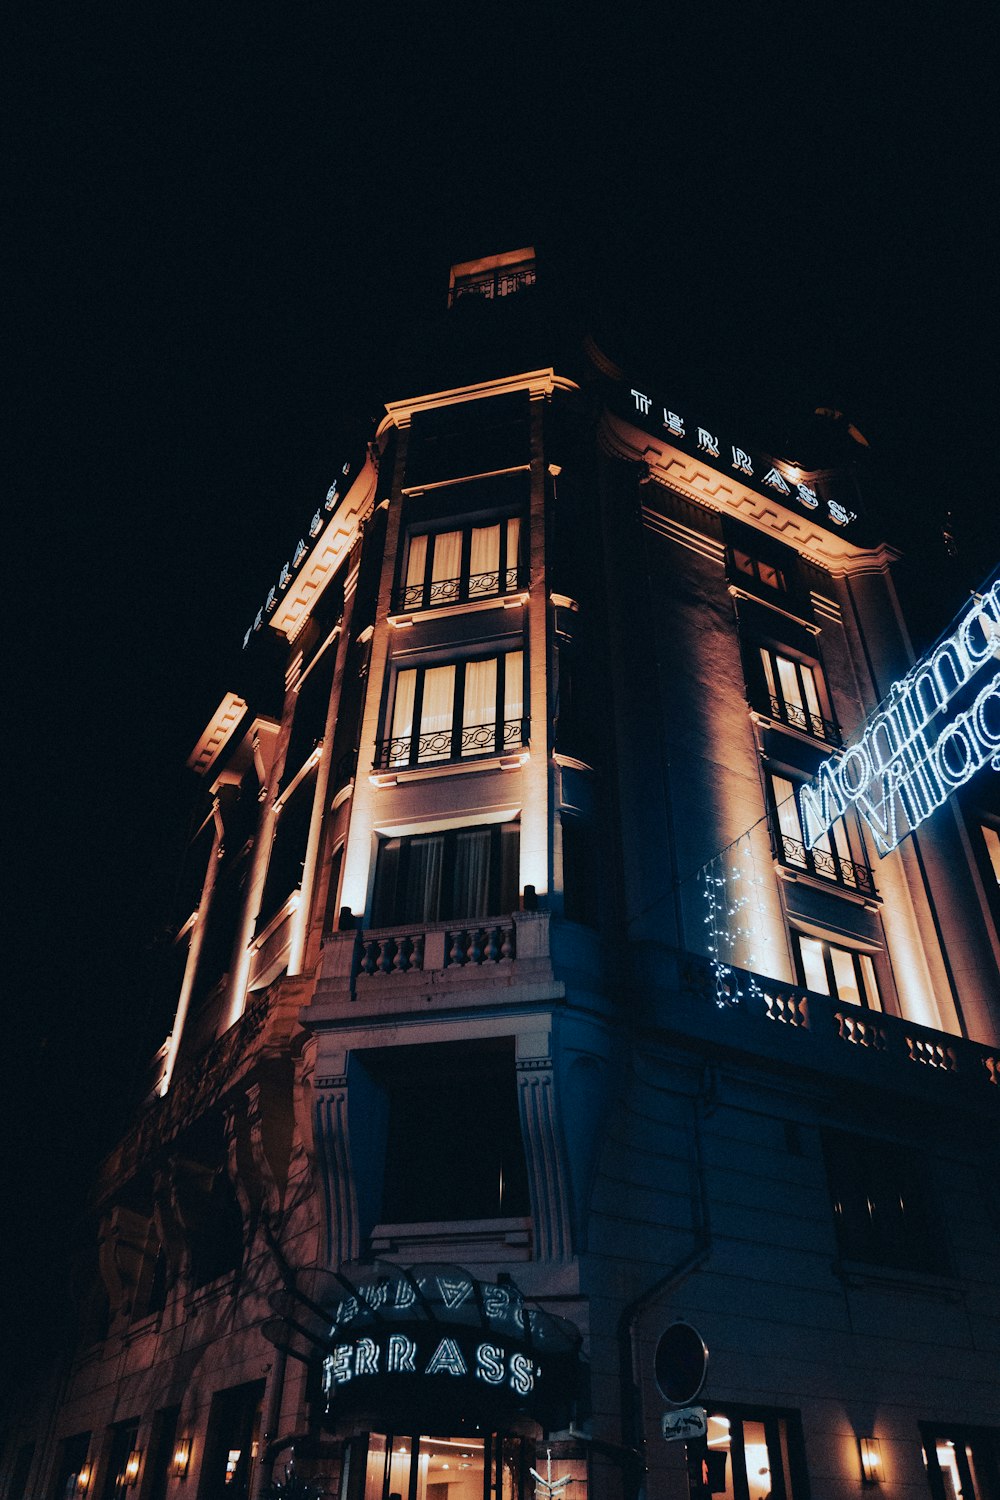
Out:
{"x": 83, "y": 1480}
{"x": 132, "y": 1465}
{"x": 871, "y": 1460}
{"x": 181, "y": 1458}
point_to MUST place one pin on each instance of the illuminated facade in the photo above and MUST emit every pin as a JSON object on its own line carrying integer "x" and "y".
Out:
{"x": 517, "y": 1015}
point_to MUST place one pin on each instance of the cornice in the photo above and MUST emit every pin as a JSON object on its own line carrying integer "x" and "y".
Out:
{"x": 537, "y": 383}
{"x": 326, "y": 554}
{"x": 217, "y": 733}
{"x": 698, "y": 482}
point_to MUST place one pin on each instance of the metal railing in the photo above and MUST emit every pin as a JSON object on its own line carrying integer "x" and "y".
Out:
{"x": 825, "y": 865}
{"x": 494, "y": 284}
{"x": 798, "y": 717}
{"x": 460, "y": 742}
{"x": 442, "y": 591}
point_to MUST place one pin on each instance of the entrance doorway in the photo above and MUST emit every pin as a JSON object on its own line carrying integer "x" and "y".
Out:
{"x": 494, "y": 1467}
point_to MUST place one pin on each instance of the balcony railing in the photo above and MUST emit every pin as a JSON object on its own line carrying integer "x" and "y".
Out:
{"x": 825, "y": 865}
{"x": 465, "y": 590}
{"x": 834, "y": 1024}
{"x": 401, "y": 952}
{"x": 462, "y": 742}
{"x": 492, "y": 284}
{"x": 802, "y": 719}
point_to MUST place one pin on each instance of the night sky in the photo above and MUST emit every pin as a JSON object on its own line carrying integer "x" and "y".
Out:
{"x": 223, "y": 217}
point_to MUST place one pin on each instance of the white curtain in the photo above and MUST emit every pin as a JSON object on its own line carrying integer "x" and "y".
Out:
{"x": 416, "y": 562}
{"x": 484, "y": 558}
{"x": 790, "y": 690}
{"x": 480, "y": 705}
{"x": 788, "y": 817}
{"x": 447, "y": 565}
{"x": 402, "y": 717}
{"x": 812, "y": 698}
{"x": 513, "y": 685}
{"x": 437, "y": 713}
{"x": 513, "y": 538}
{"x": 422, "y": 900}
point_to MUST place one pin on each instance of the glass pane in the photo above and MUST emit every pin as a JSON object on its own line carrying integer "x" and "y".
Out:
{"x": 416, "y": 562}
{"x": 450, "y": 1469}
{"x": 436, "y": 714}
{"x": 757, "y": 1459}
{"x": 402, "y": 718}
{"x": 812, "y": 698}
{"x": 845, "y": 976}
{"x": 513, "y": 540}
{"x": 422, "y": 897}
{"x": 720, "y": 1466}
{"x": 813, "y": 966}
{"x": 472, "y": 873}
{"x": 484, "y": 561}
{"x": 948, "y": 1464}
{"x": 993, "y": 849}
{"x": 513, "y": 687}
{"x": 765, "y": 657}
{"x": 743, "y": 562}
{"x": 479, "y": 710}
{"x": 771, "y": 576}
{"x": 843, "y": 848}
{"x": 446, "y": 567}
{"x": 791, "y": 692}
{"x": 400, "y": 1460}
{"x": 872, "y": 997}
{"x": 788, "y": 820}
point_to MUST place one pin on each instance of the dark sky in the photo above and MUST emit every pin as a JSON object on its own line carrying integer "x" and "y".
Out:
{"x": 223, "y": 214}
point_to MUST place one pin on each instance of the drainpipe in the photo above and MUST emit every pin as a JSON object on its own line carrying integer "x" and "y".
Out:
{"x": 633, "y": 1436}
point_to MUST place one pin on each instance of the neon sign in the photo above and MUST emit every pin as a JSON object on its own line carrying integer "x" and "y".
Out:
{"x": 764, "y": 473}
{"x": 912, "y": 755}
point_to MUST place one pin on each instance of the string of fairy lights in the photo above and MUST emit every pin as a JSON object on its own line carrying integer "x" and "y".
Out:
{"x": 731, "y": 886}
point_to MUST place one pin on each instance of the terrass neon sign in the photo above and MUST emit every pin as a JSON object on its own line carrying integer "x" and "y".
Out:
{"x": 912, "y": 754}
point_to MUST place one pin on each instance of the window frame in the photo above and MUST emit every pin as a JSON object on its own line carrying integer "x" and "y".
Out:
{"x": 818, "y": 723}
{"x": 446, "y": 914}
{"x": 962, "y": 1437}
{"x": 431, "y": 593}
{"x": 884, "y": 1207}
{"x": 788, "y": 1473}
{"x": 829, "y": 864}
{"x": 857, "y": 955}
{"x": 456, "y": 743}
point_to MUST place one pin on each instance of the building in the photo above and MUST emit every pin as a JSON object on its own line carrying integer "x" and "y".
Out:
{"x": 516, "y": 1020}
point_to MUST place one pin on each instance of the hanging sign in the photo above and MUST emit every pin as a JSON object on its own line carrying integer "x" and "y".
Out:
{"x": 686, "y": 1423}
{"x": 939, "y": 725}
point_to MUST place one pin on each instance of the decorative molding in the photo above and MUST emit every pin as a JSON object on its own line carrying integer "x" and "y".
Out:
{"x": 546, "y": 1156}
{"x": 325, "y": 556}
{"x": 694, "y": 541}
{"x": 217, "y": 733}
{"x": 537, "y": 383}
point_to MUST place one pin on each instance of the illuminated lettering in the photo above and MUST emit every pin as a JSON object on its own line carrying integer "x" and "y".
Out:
{"x": 840, "y": 514}
{"x": 401, "y": 1354}
{"x": 406, "y": 1294}
{"x": 489, "y": 1364}
{"x": 453, "y": 1291}
{"x": 774, "y": 479}
{"x": 284, "y": 578}
{"x": 299, "y": 553}
{"x": 522, "y": 1374}
{"x": 807, "y": 495}
{"x": 316, "y": 524}
{"x": 741, "y": 461}
{"x": 642, "y": 403}
{"x": 331, "y": 496}
{"x": 907, "y": 762}
{"x": 346, "y": 469}
{"x": 339, "y": 1363}
{"x": 707, "y": 443}
{"x": 673, "y": 423}
{"x": 270, "y": 603}
{"x": 366, "y": 1357}
{"x": 446, "y": 1360}
{"x": 259, "y": 618}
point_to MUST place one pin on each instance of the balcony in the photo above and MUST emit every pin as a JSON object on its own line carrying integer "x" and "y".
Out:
{"x": 460, "y": 742}
{"x": 804, "y": 720}
{"x": 499, "y": 282}
{"x": 469, "y": 589}
{"x": 825, "y": 864}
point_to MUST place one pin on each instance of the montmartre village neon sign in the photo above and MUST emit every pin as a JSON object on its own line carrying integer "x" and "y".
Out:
{"x": 913, "y": 754}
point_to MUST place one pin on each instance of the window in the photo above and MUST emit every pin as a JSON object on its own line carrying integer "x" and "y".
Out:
{"x": 453, "y": 1144}
{"x": 500, "y": 281}
{"x": 288, "y": 848}
{"x": 118, "y": 1480}
{"x": 431, "y": 1468}
{"x": 844, "y": 974}
{"x": 794, "y": 691}
{"x": 461, "y": 565}
{"x": 749, "y": 1454}
{"x": 963, "y": 1463}
{"x": 991, "y": 838}
{"x": 460, "y": 873}
{"x": 231, "y": 1443}
{"x": 882, "y": 1204}
{"x": 756, "y": 568}
{"x": 455, "y": 711}
{"x": 72, "y": 1457}
{"x": 833, "y": 857}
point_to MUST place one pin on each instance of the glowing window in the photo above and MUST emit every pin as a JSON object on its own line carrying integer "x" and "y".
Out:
{"x": 461, "y": 565}
{"x": 763, "y": 572}
{"x": 838, "y": 855}
{"x": 992, "y": 840}
{"x": 963, "y": 1463}
{"x": 460, "y": 873}
{"x": 750, "y": 1455}
{"x": 793, "y": 688}
{"x": 455, "y": 711}
{"x": 842, "y": 973}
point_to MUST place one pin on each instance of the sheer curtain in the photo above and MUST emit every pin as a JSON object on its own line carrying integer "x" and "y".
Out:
{"x": 422, "y": 893}
{"x": 437, "y": 712}
{"x": 484, "y": 560}
{"x": 513, "y": 691}
{"x": 480, "y": 707}
{"x": 471, "y": 892}
{"x": 416, "y": 563}
{"x": 447, "y": 566}
{"x": 402, "y": 718}
{"x": 513, "y": 539}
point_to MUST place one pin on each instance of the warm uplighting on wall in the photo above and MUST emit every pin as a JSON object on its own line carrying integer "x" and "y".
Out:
{"x": 181, "y": 1458}
{"x": 132, "y": 1466}
{"x": 83, "y": 1480}
{"x": 871, "y": 1460}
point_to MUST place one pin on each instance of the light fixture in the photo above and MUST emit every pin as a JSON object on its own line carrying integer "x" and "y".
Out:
{"x": 83, "y": 1479}
{"x": 132, "y": 1464}
{"x": 871, "y": 1460}
{"x": 181, "y": 1458}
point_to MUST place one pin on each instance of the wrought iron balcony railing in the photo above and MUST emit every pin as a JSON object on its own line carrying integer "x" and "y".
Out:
{"x": 492, "y": 284}
{"x": 462, "y": 742}
{"x": 798, "y": 717}
{"x": 825, "y": 865}
{"x": 465, "y": 590}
